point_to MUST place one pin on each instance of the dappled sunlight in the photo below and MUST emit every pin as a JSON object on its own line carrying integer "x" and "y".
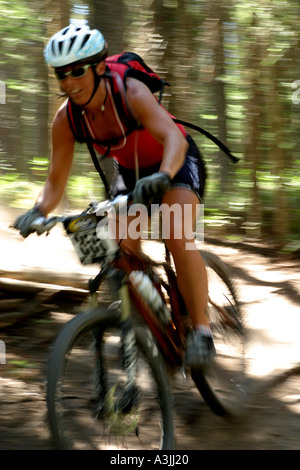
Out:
{"x": 233, "y": 68}
{"x": 292, "y": 402}
{"x": 274, "y": 325}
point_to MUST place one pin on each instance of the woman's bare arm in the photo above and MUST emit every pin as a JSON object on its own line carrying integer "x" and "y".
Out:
{"x": 60, "y": 164}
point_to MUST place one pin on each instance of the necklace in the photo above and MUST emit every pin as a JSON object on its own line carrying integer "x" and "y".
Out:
{"x": 102, "y": 108}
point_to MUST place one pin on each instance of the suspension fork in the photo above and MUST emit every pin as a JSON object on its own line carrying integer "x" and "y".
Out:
{"x": 131, "y": 395}
{"x": 128, "y": 343}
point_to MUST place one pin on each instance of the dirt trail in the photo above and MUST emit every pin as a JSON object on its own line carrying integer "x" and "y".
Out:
{"x": 270, "y": 292}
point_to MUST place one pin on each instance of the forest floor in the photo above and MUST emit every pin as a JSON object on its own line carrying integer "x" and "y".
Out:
{"x": 269, "y": 288}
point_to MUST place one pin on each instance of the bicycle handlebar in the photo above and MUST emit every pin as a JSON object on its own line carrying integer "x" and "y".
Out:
{"x": 45, "y": 224}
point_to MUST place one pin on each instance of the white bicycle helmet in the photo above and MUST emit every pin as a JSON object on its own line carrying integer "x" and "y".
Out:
{"x": 74, "y": 44}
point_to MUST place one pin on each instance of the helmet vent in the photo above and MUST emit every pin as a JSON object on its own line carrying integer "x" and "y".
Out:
{"x": 85, "y": 39}
{"x": 65, "y": 30}
{"x": 71, "y": 43}
{"x": 53, "y": 48}
{"x": 60, "y": 46}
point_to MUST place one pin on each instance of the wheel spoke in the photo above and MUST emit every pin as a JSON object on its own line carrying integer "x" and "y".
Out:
{"x": 86, "y": 392}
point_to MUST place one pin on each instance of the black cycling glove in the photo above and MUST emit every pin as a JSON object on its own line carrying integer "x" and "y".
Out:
{"x": 24, "y": 222}
{"x": 150, "y": 187}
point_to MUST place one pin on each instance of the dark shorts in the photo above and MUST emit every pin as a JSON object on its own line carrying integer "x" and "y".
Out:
{"x": 192, "y": 174}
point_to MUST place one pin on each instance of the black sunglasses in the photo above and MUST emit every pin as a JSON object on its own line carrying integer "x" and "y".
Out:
{"x": 75, "y": 73}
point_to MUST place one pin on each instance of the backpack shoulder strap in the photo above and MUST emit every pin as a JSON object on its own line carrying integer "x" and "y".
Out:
{"x": 207, "y": 134}
{"x": 119, "y": 96}
{"x": 81, "y": 134}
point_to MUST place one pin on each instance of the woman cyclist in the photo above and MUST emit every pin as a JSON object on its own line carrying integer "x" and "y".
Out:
{"x": 169, "y": 163}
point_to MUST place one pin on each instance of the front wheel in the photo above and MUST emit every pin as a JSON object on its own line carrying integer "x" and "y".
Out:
{"x": 224, "y": 385}
{"x": 86, "y": 382}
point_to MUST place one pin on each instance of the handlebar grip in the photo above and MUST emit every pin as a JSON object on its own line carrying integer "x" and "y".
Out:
{"x": 42, "y": 225}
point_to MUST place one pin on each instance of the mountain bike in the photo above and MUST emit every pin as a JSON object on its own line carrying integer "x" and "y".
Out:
{"x": 109, "y": 374}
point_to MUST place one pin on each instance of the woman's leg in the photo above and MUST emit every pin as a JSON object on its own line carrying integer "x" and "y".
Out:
{"x": 190, "y": 268}
{"x": 178, "y": 222}
{"x": 191, "y": 273}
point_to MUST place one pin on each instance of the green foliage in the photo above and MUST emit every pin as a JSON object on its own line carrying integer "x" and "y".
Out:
{"x": 20, "y": 23}
{"x": 83, "y": 189}
{"x": 16, "y": 190}
{"x": 231, "y": 65}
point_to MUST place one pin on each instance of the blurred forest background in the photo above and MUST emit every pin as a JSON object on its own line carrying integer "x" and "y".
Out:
{"x": 234, "y": 69}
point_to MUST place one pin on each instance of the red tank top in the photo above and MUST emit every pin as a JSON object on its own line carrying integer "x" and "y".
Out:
{"x": 137, "y": 145}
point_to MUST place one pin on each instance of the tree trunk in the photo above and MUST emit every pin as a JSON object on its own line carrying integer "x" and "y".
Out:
{"x": 281, "y": 208}
{"x": 254, "y": 215}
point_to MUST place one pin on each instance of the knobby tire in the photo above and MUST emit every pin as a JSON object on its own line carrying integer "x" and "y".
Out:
{"x": 75, "y": 410}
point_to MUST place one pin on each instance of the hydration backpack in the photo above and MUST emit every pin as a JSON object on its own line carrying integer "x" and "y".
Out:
{"x": 124, "y": 65}
{"x": 129, "y": 64}
{"x": 121, "y": 66}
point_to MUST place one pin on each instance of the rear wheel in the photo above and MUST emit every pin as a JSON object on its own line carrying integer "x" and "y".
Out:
{"x": 86, "y": 384}
{"x": 224, "y": 384}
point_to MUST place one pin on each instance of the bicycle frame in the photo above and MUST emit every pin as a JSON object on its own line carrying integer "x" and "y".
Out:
{"x": 170, "y": 338}
{"x": 161, "y": 344}
{"x": 118, "y": 265}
